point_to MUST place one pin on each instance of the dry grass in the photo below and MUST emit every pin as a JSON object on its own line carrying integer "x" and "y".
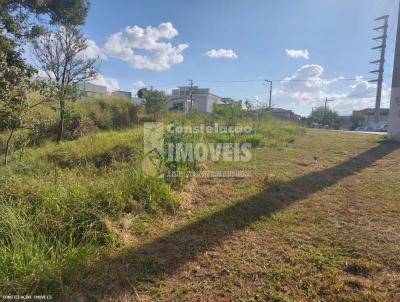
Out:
{"x": 317, "y": 221}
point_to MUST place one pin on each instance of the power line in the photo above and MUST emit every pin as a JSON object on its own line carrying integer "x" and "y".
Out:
{"x": 282, "y": 80}
{"x": 337, "y": 98}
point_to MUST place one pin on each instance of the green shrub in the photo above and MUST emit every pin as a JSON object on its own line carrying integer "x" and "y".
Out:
{"x": 99, "y": 150}
{"x": 46, "y": 235}
{"x": 100, "y": 159}
{"x": 48, "y": 232}
{"x": 55, "y": 202}
{"x": 230, "y": 112}
{"x": 108, "y": 112}
{"x": 181, "y": 166}
{"x": 152, "y": 193}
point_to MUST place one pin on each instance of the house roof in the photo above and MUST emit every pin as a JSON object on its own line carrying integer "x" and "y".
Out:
{"x": 90, "y": 87}
{"x": 281, "y": 110}
{"x": 196, "y": 90}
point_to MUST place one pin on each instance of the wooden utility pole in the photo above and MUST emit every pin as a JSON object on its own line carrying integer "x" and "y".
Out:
{"x": 381, "y": 63}
{"x": 394, "y": 115}
{"x": 270, "y": 92}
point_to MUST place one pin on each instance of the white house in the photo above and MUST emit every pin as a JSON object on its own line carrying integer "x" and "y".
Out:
{"x": 203, "y": 100}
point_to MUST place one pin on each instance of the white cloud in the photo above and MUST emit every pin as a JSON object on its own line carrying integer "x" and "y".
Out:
{"x": 93, "y": 51}
{"x": 361, "y": 95}
{"x": 306, "y": 83}
{"x": 222, "y": 53}
{"x": 110, "y": 83}
{"x": 362, "y": 88}
{"x": 307, "y": 88}
{"x": 154, "y": 52}
{"x": 298, "y": 53}
{"x": 138, "y": 84}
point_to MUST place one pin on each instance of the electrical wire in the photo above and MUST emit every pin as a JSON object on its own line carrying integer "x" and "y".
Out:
{"x": 281, "y": 80}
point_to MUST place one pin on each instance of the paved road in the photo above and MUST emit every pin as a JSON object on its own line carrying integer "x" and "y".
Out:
{"x": 366, "y": 132}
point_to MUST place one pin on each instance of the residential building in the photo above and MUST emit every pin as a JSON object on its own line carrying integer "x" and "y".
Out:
{"x": 183, "y": 97}
{"x": 369, "y": 117}
{"x": 285, "y": 114}
{"x": 123, "y": 93}
{"x": 227, "y": 100}
{"x": 89, "y": 89}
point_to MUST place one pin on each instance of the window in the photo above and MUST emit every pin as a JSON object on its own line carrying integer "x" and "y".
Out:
{"x": 177, "y": 106}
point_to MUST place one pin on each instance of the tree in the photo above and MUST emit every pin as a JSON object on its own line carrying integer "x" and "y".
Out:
{"x": 141, "y": 93}
{"x": 248, "y": 105}
{"x": 325, "y": 118}
{"x": 154, "y": 101}
{"x": 61, "y": 56}
{"x": 15, "y": 83}
{"x": 13, "y": 87}
{"x": 357, "y": 120}
{"x": 21, "y": 20}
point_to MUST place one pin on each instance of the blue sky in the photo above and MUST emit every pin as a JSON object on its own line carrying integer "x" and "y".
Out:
{"x": 164, "y": 43}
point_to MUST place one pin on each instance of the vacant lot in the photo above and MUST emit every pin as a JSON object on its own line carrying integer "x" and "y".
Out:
{"x": 317, "y": 221}
{"x": 63, "y": 207}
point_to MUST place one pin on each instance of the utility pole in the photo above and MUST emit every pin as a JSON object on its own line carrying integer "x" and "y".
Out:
{"x": 326, "y": 105}
{"x": 191, "y": 94}
{"x": 381, "y": 63}
{"x": 394, "y": 114}
{"x": 326, "y": 108}
{"x": 270, "y": 92}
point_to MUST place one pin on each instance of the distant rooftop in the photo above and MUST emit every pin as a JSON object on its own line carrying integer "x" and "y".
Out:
{"x": 127, "y": 94}
{"x": 185, "y": 90}
{"x": 90, "y": 87}
{"x": 369, "y": 111}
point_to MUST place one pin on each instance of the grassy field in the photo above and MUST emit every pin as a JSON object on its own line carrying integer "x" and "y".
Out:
{"x": 66, "y": 207}
{"x": 318, "y": 220}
